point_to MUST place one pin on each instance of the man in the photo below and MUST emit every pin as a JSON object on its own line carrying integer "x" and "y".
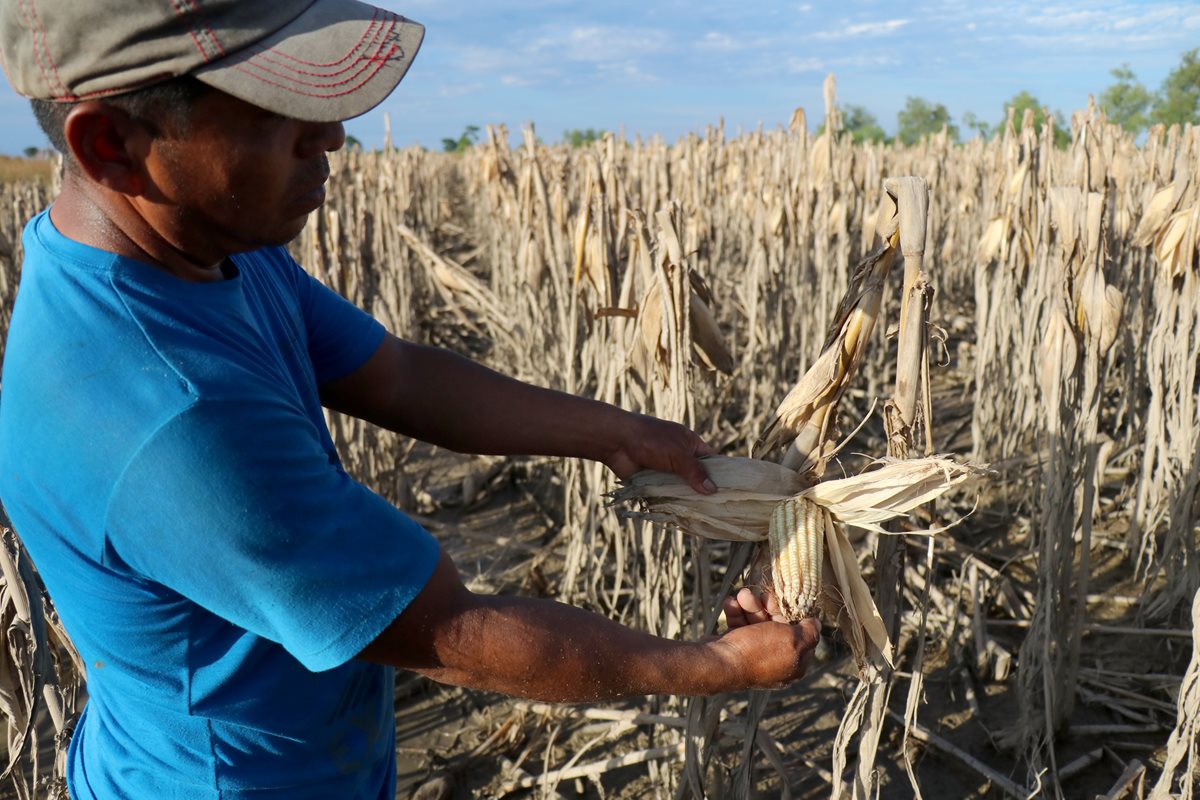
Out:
{"x": 239, "y": 600}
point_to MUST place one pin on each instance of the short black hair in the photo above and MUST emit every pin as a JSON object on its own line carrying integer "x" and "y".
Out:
{"x": 168, "y": 101}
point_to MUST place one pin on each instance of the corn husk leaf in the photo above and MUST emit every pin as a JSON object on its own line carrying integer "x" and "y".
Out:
{"x": 1157, "y": 212}
{"x": 741, "y": 511}
{"x": 749, "y": 490}
{"x": 806, "y": 414}
{"x": 897, "y": 487}
{"x": 846, "y": 602}
{"x": 1175, "y": 244}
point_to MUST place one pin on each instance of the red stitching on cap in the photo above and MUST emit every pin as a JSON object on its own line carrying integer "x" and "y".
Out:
{"x": 34, "y": 22}
{"x": 179, "y": 12}
{"x": 377, "y": 41}
{"x": 199, "y": 46}
{"x": 46, "y": 46}
{"x": 350, "y": 53}
{"x": 216, "y": 42}
{"x": 162, "y": 76}
{"x": 363, "y": 63}
{"x": 290, "y": 77}
{"x": 378, "y": 65}
{"x": 37, "y": 56}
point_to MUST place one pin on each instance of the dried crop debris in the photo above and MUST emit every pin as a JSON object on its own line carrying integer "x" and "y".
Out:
{"x": 543, "y": 262}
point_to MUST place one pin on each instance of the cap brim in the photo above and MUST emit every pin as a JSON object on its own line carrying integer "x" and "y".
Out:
{"x": 337, "y": 60}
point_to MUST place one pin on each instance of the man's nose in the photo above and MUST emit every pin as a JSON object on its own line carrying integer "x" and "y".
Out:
{"x": 323, "y": 137}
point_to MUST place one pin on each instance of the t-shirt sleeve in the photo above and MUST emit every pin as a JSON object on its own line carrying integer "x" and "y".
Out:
{"x": 341, "y": 336}
{"x": 237, "y": 507}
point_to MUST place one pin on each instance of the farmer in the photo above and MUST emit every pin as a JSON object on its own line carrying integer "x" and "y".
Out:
{"x": 240, "y": 602}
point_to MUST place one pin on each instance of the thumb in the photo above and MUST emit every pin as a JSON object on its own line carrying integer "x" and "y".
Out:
{"x": 697, "y": 476}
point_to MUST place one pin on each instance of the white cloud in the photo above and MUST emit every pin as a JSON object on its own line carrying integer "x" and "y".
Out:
{"x": 600, "y": 43}
{"x": 805, "y": 64}
{"x": 810, "y": 64}
{"x": 865, "y": 29}
{"x": 721, "y": 42}
{"x": 1058, "y": 17}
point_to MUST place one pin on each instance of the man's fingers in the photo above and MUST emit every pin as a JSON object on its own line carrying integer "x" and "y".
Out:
{"x": 697, "y": 477}
{"x": 745, "y": 608}
{"x": 749, "y": 601}
{"x": 812, "y": 631}
{"x": 735, "y": 615}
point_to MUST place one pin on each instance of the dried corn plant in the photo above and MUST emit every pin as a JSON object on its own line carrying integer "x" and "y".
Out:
{"x": 1182, "y": 767}
{"x": 557, "y": 264}
{"x": 812, "y": 563}
{"x": 1170, "y": 476}
{"x": 41, "y": 680}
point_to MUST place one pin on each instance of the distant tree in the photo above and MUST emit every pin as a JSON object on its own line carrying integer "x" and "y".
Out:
{"x": 920, "y": 118}
{"x": 469, "y": 136}
{"x": 1126, "y": 101}
{"x": 578, "y": 138}
{"x": 352, "y": 143}
{"x": 861, "y": 125}
{"x": 30, "y": 152}
{"x": 1178, "y": 100}
{"x": 973, "y": 123}
{"x": 1024, "y": 100}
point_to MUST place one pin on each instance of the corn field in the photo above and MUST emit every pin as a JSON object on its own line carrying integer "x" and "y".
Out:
{"x": 1045, "y": 637}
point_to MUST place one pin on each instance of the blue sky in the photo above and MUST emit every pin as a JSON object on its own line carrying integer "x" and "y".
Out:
{"x": 673, "y": 67}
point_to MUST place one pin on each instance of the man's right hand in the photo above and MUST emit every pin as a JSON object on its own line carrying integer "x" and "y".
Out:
{"x": 773, "y": 651}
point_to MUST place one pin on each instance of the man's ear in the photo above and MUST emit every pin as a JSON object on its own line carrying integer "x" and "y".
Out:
{"x": 109, "y": 146}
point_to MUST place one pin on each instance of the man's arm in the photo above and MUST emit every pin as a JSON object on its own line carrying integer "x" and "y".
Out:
{"x": 543, "y": 650}
{"x": 440, "y": 397}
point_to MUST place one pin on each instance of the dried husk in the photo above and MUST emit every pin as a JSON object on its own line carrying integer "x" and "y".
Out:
{"x": 846, "y": 602}
{"x": 807, "y": 412}
{"x": 749, "y": 491}
{"x": 1175, "y": 245}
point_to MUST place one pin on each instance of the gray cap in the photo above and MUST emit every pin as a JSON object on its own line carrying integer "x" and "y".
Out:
{"x": 319, "y": 60}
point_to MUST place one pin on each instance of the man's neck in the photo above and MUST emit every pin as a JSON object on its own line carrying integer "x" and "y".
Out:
{"x": 109, "y": 221}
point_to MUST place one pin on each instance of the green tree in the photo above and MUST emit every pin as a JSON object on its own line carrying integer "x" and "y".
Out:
{"x": 973, "y": 123}
{"x": 352, "y": 143}
{"x": 920, "y": 118}
{"x": 1126, "y": 101}
{"x": 861, "y": 125}
{"x": 1024, "y": 100}
{"x": 1178, "y": 100}
{"x": 30, "y": 152}
{"x": 578, "y": 138}
{"x": 469, "y": 136}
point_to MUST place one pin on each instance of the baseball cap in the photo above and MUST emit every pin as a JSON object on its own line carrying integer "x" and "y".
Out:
{"x": 317, "y": 60}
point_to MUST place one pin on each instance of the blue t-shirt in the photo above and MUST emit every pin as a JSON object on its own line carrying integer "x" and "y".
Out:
{"x": 165, "y": 459}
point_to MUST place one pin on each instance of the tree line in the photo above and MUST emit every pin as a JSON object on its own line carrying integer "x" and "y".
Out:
{"x": 1127, "y": 102}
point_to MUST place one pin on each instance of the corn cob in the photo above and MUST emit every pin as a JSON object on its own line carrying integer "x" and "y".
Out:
{"x": 797, "y": 541}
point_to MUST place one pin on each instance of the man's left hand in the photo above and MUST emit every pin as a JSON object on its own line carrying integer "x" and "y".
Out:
{"x": 650, "y": 443}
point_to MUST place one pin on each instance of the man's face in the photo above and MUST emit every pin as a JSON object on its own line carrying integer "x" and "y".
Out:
{"x": 237, "y": 177}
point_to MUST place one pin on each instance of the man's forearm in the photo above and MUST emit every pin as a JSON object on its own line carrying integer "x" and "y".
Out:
{"x": 440, "y": 397}
{"x": 542, "y": 650}
{"x": 468, "y": 407}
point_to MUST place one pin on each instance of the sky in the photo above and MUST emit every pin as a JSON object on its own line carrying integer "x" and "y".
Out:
{"x": 671, "y": 68}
